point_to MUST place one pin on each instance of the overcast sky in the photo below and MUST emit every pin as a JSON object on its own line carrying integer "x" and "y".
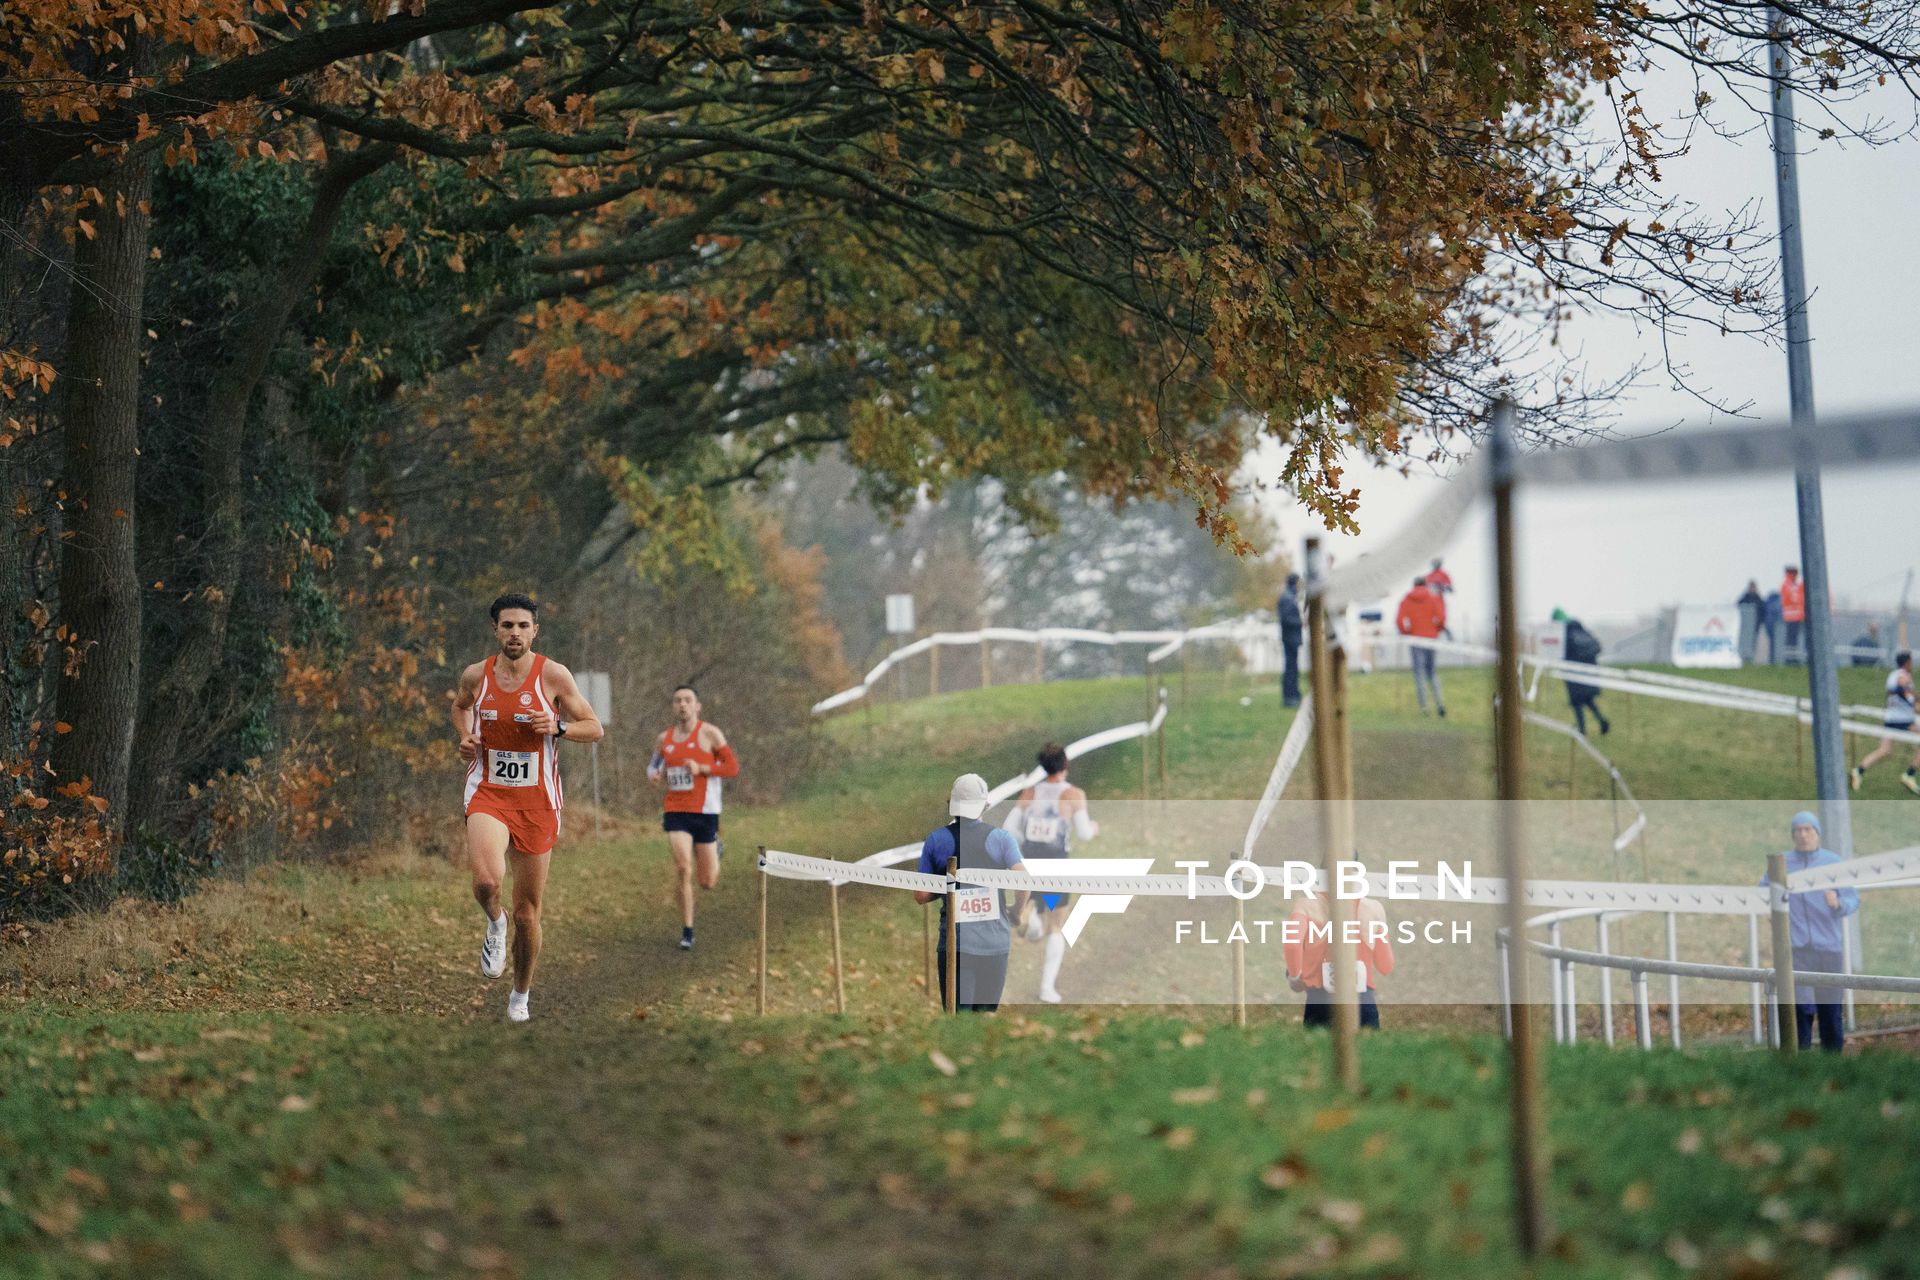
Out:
{"x": 1617, "y": 553}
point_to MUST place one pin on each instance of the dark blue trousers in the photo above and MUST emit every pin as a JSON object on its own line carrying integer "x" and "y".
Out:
{"x": 1818, "y": 1004}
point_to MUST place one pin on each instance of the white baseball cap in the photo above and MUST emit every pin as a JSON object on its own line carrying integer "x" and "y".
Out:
{"x": 969, "y": 796}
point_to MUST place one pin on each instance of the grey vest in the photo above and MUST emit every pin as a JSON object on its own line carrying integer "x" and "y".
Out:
{"x": 979, "y": 937}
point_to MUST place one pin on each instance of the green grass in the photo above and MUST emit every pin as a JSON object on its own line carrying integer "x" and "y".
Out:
{"x": 302, "y": 1074}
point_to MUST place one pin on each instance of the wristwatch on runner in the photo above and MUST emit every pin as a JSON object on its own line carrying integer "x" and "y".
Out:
{"x": 559, "y": 727}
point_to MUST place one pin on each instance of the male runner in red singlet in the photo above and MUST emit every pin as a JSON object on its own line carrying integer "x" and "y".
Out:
{"x": 689, "y": 759}
{"x": 511, "y": 711}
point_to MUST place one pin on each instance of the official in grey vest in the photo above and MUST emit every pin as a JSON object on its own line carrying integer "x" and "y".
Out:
{"x": 982, "y": 936}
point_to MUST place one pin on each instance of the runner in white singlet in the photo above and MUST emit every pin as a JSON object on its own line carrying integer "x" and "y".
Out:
{"x": 1902, "y": 715}
{"x": 1046, "y": 818}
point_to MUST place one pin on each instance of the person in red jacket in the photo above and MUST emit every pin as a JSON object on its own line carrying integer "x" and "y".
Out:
{"x": 1793, "y": 609}
{"x": 1307, "y": 942}
{"x": 1423, "y": 616}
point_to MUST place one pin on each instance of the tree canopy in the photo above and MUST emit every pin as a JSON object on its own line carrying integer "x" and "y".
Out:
{"x": 278, "y": 277}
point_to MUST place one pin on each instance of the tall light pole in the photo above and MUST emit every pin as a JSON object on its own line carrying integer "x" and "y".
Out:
{"x": 1823, "y": 681}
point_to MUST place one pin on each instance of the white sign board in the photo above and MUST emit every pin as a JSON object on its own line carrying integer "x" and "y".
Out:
{"x": 597, "y": 688}
{"x": 1706, "y": 636}
{"x": 1549, "y": 640}
{"x": 900, "y": 615}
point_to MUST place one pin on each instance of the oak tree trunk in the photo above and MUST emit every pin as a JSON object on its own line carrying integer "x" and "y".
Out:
{"x": 98, "y": 691}
{"x": 175, "y": 690}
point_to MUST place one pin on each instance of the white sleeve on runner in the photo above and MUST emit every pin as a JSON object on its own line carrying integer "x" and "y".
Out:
{"x": 1083, "y": 824}
{"x": 1015, "y": 822}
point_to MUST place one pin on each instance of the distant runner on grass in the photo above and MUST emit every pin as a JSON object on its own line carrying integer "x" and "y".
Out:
{"x": 689, "y": 760}
{"x": 1901, "y": 716}
{"x": 510, "y": 712}
{"x": 1043, "y": 819}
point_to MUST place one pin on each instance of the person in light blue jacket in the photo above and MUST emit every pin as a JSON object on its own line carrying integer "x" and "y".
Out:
{"x": 1817, "y": 918}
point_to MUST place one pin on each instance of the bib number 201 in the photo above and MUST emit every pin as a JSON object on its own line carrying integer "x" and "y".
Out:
{"x": 510, "y": 768}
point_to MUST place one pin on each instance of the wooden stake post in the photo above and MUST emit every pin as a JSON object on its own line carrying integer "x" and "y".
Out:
{"x": 1161, "y": 734}
{"x": 1146, "y": 755}
{"x": 933, "y": 669}
{"x": 762, "y": 1005}
{"x": 1784, "y": 995}
{"x": 1335, "y": 842}
{"x": 839, "y": 974}
{"x": 1240, "y": 966}
{"x": 1529, "y": 1137}
{"x": 953, "y": 940}
{"x": 926, "y": 945}
{"x": 1346, "y": 988}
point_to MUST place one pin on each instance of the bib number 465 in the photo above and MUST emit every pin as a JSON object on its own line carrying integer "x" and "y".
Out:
{"x": 974, "y": 903}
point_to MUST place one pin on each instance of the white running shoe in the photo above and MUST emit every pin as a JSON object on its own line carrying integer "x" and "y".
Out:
{"x": 517, "y": 1008}
{"x": 1050, "y": 996}
{"x": 493, "y": 948}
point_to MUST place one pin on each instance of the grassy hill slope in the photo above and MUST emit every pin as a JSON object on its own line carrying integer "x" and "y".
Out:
{"x": 303, "y": 1074}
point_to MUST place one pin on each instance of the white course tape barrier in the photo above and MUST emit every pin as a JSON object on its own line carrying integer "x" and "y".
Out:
{"x": 1624, "y": 680}
{"x": 1170, "y": 642}
{"x": 1840, "y": 441}
{"x": 1895, "y": 869}
{"x": 1299, "y": 734}
{"x": 1795, "y": 702}
{"x": 1240, "y": 631}
{"x": 1389, "y": 568}
{"x": 1020, "y": 782}
{"x": 1654, "y": 684}
{"x": 1633, "y": 829}
{"x": 1882, "y": 870}
{"x": 1144, "y": 885}
{"x": 799, "y": 866}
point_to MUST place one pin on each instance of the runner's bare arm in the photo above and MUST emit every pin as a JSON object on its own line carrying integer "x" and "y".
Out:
{"x": 725, "y": 763}
{"x": 572, "y": 705}
{"x": 1074, "y": 802}
{"x": 461, "y": 711}
{"x": 1016, "y": 819}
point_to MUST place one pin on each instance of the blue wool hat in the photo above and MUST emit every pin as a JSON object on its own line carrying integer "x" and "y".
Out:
{"x": 1806, "y": 817}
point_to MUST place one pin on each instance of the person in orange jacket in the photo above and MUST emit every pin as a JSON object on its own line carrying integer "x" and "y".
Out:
{"x": 1423, "y": 616}
{"x": 1793, "y": 609}
{"x": 1307, "y": 942}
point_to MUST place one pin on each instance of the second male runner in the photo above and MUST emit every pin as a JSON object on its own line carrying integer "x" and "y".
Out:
{"x": 689, "y": 760}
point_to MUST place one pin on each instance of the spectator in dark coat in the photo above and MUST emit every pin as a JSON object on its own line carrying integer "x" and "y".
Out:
{"x": 1867, "y": 651}
{"x": 1770, "y": 626}
{"x": 1291, "y": 625}
{"x": 1753, "y": 608}
{"x": 1581, "y": 645}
